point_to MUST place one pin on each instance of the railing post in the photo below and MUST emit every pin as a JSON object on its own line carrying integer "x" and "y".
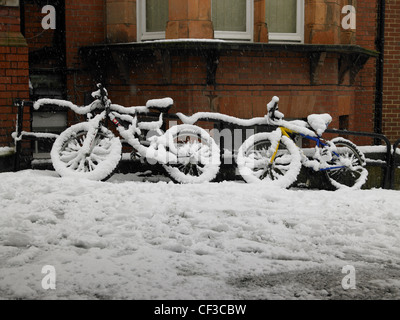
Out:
{"x": 393, "y": 165}
{"x": 20, "y": 115}
{"x": 220, "y": 127}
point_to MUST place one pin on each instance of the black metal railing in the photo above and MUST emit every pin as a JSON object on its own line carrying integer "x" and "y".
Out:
{"x": 21, "y": 135}
{"x": 394, "y": 165}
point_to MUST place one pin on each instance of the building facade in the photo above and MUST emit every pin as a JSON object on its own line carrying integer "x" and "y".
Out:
{"x": 208, "y": 55}
{"x": 14, "y": 68}
{"x": 391, "y": 71}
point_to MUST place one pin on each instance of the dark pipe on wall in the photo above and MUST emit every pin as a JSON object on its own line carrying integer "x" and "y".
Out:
{"x": 380, "y": 45}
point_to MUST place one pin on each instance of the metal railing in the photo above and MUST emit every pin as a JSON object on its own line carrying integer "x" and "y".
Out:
{"x": 394, "y": 165}
{"x": 21, "y": 135}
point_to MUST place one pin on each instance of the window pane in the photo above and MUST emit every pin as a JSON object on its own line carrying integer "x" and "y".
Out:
{"x": 281, "y": 16}
{"x": 229, "y": 15}
{"x": 156, "y": 15}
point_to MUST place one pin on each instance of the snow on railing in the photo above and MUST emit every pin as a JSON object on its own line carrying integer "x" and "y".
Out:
{"x": 36, "y": 135}
{"x": 5, "y": 151}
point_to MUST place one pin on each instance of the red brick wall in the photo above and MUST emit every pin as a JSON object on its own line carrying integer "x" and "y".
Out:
{"x": 363, "y": 114}
{"x": 14, "y": 71}
{"x": 9, "y": 19}
{"x": 35, "y": 35}
{"x": 391, "y": 97}
{"x": 245, "y": 83}
{"x": 85, "y": 25}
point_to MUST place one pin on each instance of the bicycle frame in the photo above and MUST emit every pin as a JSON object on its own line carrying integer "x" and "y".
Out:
{"x": 259, "y": 157}
{"x": 132, "y": 134}
{"x": 319, "y": 143}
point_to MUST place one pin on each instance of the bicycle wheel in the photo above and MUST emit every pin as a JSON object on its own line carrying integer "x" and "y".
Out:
{"x": 70, "y": 160}
{"x": 197, "y": 155}
{"x": 255, "y": 163}
{"x": 348, "y": 165}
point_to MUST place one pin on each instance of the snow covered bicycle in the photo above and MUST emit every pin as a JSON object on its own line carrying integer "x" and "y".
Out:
{"x": 90, "y": 150}
{"x": 274, "y": 157}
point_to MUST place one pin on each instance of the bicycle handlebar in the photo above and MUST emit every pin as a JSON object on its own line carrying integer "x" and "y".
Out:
{"x": 67, "y": 104}
{"x": 272, "y": 109}
{"x": 102, "y": 102}
{"x": 97, "y": 104}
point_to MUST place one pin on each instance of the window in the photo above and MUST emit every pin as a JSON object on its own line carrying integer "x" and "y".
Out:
{"x": 9, "y": 3}
{"x": 232, "y": 19}
{"x": 153, "y": 18}
{"x": 285, "y": 20}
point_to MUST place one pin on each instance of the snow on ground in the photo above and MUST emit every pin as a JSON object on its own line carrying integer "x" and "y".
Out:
{"x": 139, "y": 239}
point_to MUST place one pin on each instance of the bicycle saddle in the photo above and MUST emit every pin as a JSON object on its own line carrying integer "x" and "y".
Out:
{"x": 160, "y": 104}
{"x": 319, "y": 122}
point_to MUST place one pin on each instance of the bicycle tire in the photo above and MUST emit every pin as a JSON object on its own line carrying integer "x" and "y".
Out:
{"x": 98, "y": 165}
{"x": 254, "y": 159}
{"x": 197, "y": 155}
{"x": 354, "y": 174}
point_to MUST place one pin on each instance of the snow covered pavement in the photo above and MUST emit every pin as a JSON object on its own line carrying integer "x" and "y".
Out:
{"x": 125, "y": 239}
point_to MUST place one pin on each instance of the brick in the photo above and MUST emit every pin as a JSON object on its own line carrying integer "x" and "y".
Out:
{"x": 17, "y": 72}
{"x": 4, "y": 49}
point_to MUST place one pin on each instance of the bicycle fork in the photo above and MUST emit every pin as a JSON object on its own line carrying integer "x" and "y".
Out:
{"x": 90, "y": 141}
{"x": 284, "y": 132}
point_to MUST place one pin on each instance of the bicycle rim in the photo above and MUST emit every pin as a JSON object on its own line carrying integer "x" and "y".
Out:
{"x": 257, "y": 160}
{"x": 98, "y": 164}
{"x": 197, "y": 155}
{"x": 348, "y": 167}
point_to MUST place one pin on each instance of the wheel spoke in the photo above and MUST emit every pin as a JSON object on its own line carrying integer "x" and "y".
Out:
{"x": 260, "y": 173}
{"x": 352, "y": 172}
{"x": 259, "y": 159}
{"x": 194, "y": 150}
{"x": 69, "y": 158}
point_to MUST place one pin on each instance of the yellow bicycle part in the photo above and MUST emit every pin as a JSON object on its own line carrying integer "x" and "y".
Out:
{"x": 285, "y": 132}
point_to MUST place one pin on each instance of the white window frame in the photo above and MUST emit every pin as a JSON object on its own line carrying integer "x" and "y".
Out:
{"x": 297, "y": 37}
{"x": 240, "y": 35}
{"x": 142, "y": 34}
